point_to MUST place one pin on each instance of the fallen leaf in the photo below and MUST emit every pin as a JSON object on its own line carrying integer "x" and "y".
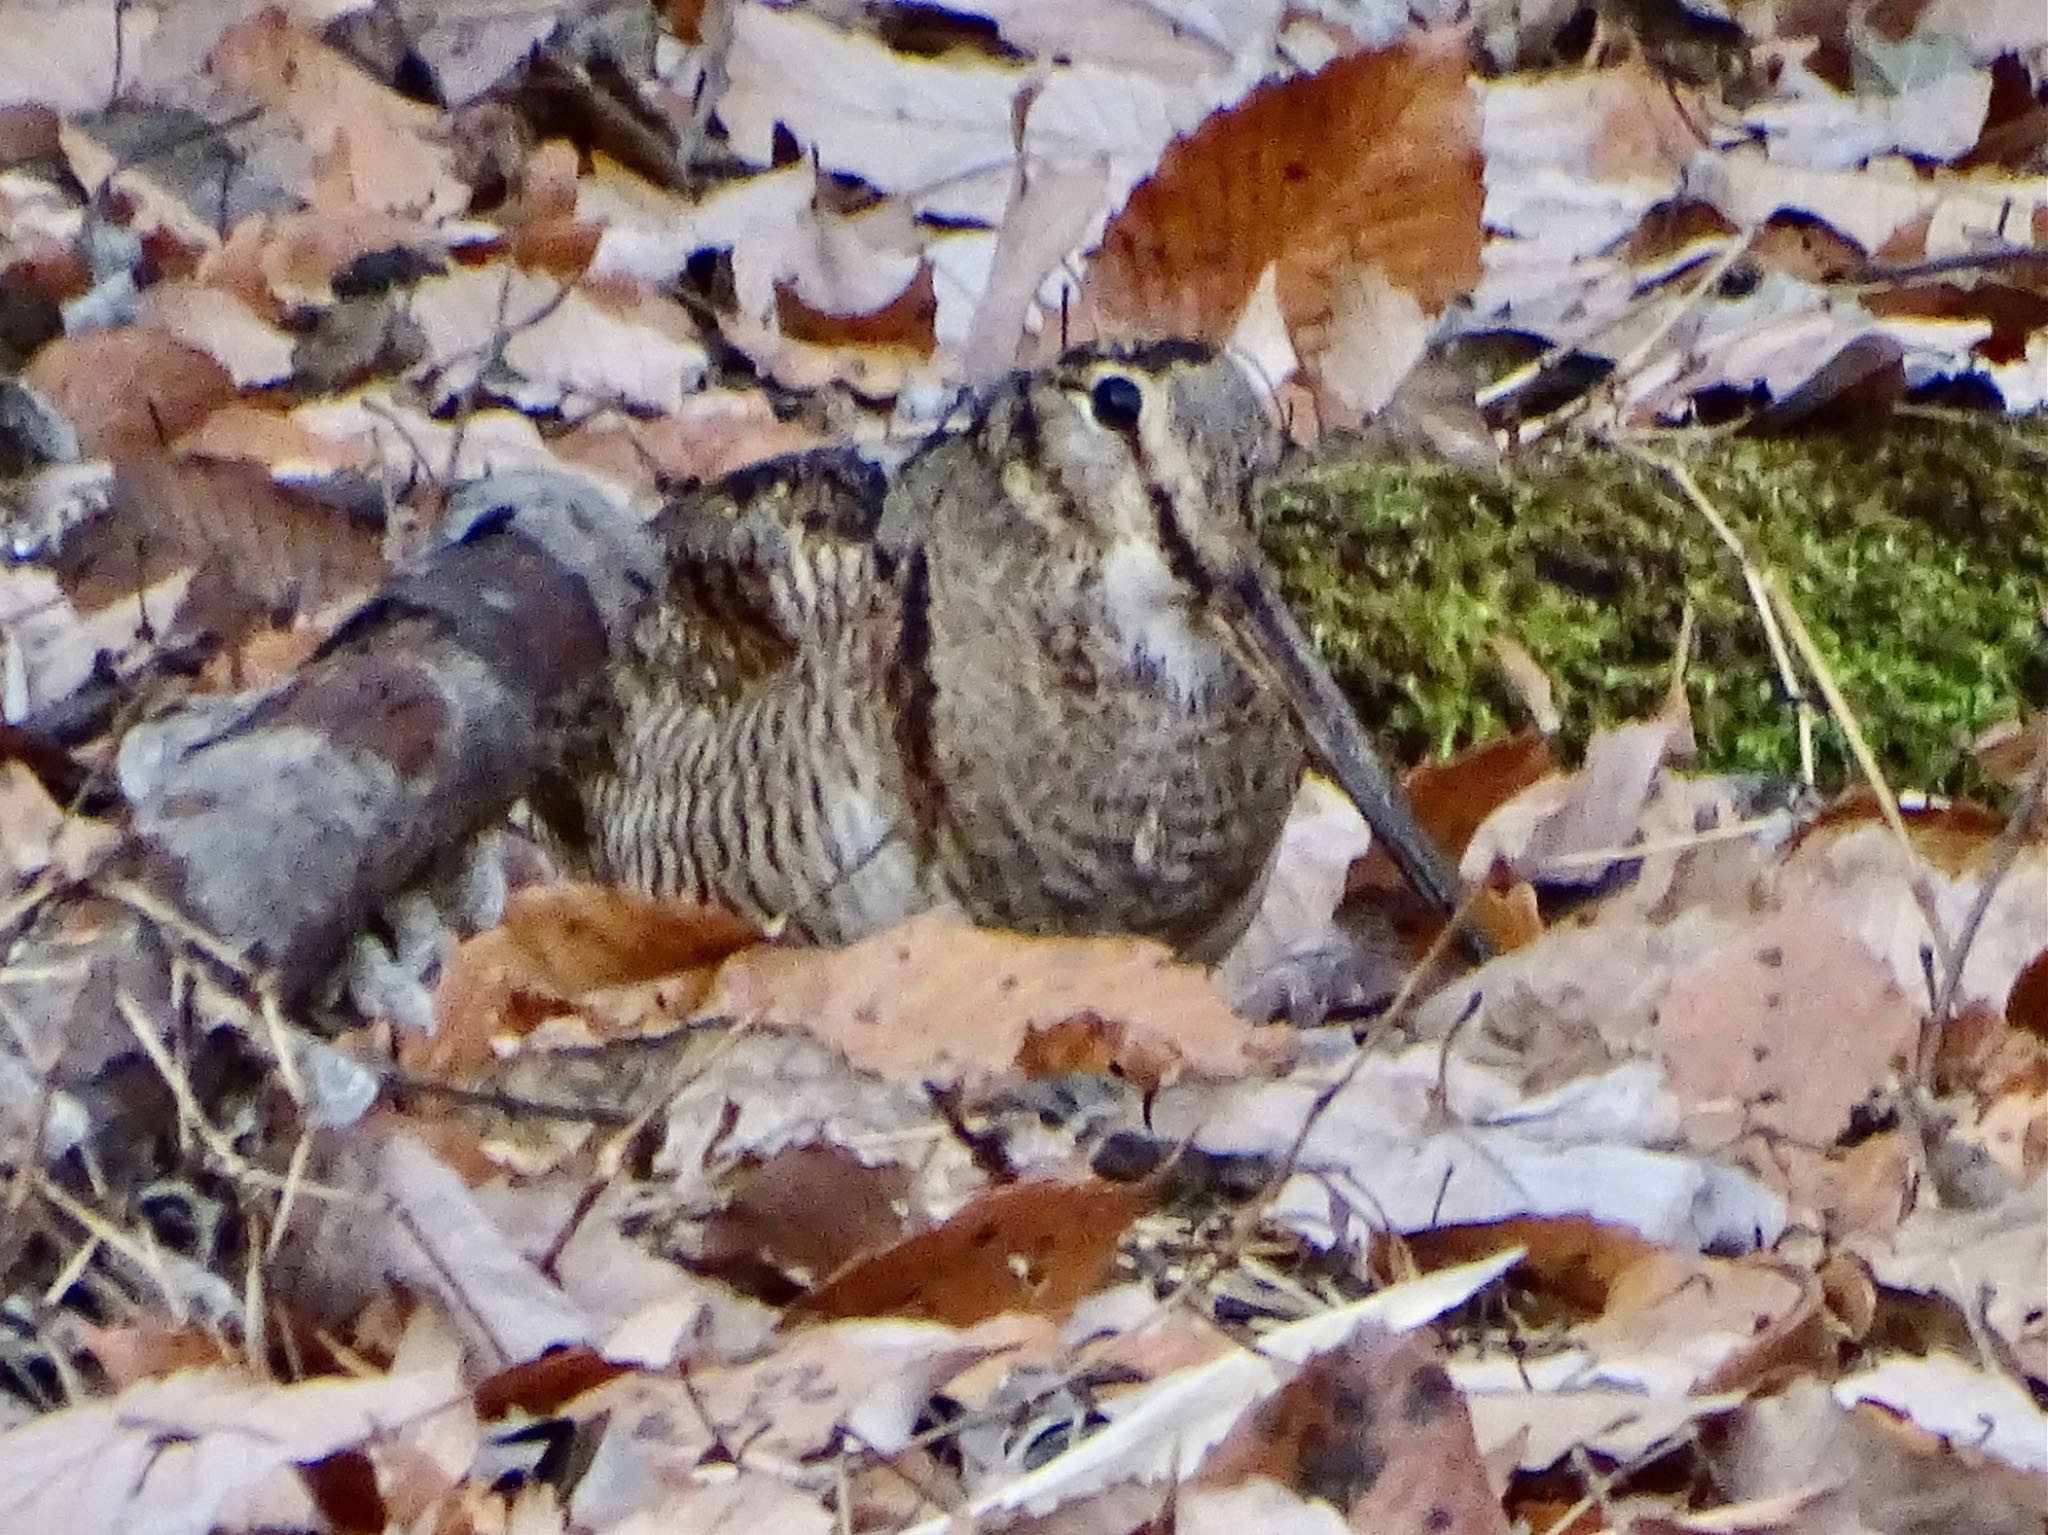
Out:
{"x": 1376, "y": 1429}
{"x": 809, "y": 1211}
{"x": 371, "y": 147}
{"x": 1782, "y": 1032}
{"x": 904, "y": 323}
{"x": 221, "y": 325}
{"x": 935, "y": 999}
{"x": 560, "y": 943}
{"x": 1453, "y": 799}
{"x": 1550, "y": 831}
{"x": 1036, "y": 1247}
{"x": 1259, "y": 184}
{"x": 171, "y": 1455}
{"x": 715, "y": 432}
{"x": 128, "y": 391}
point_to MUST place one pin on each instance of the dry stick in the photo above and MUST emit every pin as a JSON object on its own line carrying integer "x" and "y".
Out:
{"x": 255, "y": 1355}
{"x": 1709, "y": 280}
{"x": 145, "y": 1256}
{"x": 502, "y": 332}
{"x": 1600, "y": 857}
{"x": 1866, "y": 762}
{"x": 1382, "y": 1026}
{"x": 2004, "y": 853}
{"x": 1533, "y": 371}
{"x": 1752, "y": 578}
{"x": 192, "y": 1116}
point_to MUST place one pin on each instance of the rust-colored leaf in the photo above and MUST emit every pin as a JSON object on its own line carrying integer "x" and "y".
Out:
{"x": 559, "y": 943}
{"x": 1377, "y": 1430}
{"x": 537, "y": 1387}
{"x": 905, "y": 322}
{"x": 1369, "y": 163}
{"x": 128, "y": 391}
{"x": 1038, "y": 1247}
{"x": 935, "y": 999}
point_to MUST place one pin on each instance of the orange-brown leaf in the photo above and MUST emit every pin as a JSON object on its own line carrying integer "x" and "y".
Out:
{"x": 1371, "y": 161}
{"x": 1038, "y": 1247}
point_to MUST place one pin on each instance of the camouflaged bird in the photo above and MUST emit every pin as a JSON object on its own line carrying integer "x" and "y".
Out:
{"x": 1040, "y": 673}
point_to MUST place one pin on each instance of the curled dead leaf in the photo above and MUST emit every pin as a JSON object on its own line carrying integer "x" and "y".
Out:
{"x": 558, "y": 944}
{"x": 1370, "y": 164}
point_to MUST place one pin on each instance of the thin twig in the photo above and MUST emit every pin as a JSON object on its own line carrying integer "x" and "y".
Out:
{"x": 1397, "y": 1010}
{"x": 2004, "y": 853}
{"x": 1753, "y": 578}
{"x": 1599, "y": 857}
{"x": 1866, "y": 762}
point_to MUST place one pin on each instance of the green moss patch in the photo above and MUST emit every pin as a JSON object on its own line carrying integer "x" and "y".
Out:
{"x": 1916, "y": 550}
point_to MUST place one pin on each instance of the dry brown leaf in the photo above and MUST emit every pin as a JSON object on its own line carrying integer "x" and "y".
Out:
{"x": 749, "y": 1500}
{"x": 211, "y": 320}
{"x": 178, "y": 1453}
{"x": 903, "y": 324}
{"x": 1690, "y": 1322}
{"x": 1956, "y": 837}
{"x": 544, "y": 232}
{"x": 2026, "y": 1005}
{"x": 936, "y": 999}
{"x": 1991, "y": 1264}
{"x": 558, "y": 943}
{"x": 255, "y": 434}
{"x": 1454, "y": 798}
{"x": 789, "y": 1408}
{"x": 1376, "y": 1429}
{"x": 1857, "y": 1468}
{"x": 808, "y": 1211}
{"x": 715, "y": 432}
{"x": 1511, "y": 918}
{"x": 586, "y": 936}
{"x": 1782, "y": 1031}
{"x": 36, "y": 832}
{"x": 538, "y": 1387}
{"x": 1554, "y": 830}
{"x": 344, "y": 1490}
{"x": 432, "y": 1235}
{"x": 371, "y": 147}
{"x": 1859, "y": 875}
{"x": 128, "y": 391}
{"x": 261, "y": 549}
{"x": 152, "y": 1350}
{"x": 610, "y": 344}
{"x": 1369, "y": 164}
{"x": 1037, "y": 1247}
{"x": 1569, "y": 1258}
{"x": 276, "y": 262}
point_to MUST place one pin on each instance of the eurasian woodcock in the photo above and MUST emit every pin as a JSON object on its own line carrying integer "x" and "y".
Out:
{"x": 1040, "y": 673}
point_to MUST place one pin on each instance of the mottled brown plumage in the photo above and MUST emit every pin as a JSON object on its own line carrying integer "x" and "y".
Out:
{"x": 1039, "y": 674}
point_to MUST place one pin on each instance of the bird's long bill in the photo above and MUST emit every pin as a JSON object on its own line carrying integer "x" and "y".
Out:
{"x": 1339, "y": 741}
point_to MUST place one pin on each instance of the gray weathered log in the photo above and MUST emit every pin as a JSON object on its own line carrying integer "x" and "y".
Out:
{"x": 276, "y": 823}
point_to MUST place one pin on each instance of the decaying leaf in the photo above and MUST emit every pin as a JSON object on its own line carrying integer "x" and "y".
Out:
{"x": 1036, "y": 1246}
{"x": 933, "y": 998}
{"x": 1375, "y": 1429}
{"x": 1358, "y": 184}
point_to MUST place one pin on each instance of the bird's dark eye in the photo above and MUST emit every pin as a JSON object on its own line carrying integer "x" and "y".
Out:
{"x": 1117, "y": 401}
